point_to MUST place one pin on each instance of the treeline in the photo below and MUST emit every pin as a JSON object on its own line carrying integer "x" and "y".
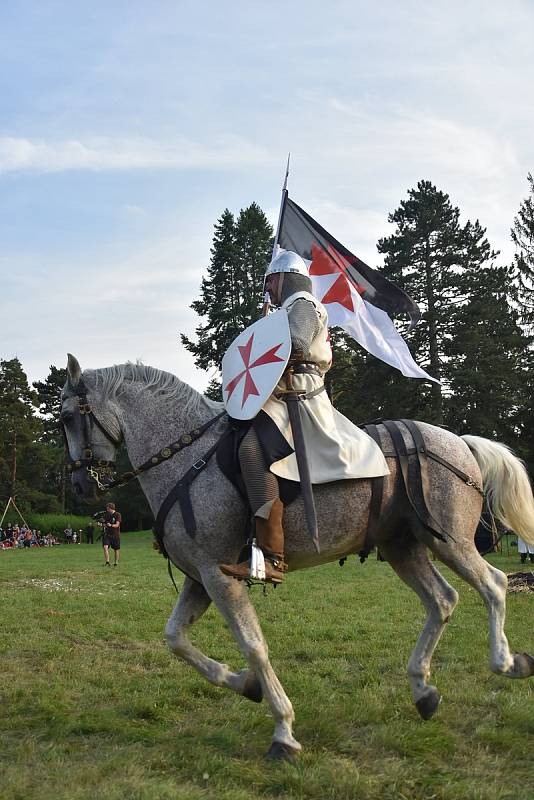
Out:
{"x": 476, "y": 333}
{"x": 476, "y": 336}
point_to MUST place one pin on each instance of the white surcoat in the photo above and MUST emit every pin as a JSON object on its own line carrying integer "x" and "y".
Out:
{"x": 336, "y": 448}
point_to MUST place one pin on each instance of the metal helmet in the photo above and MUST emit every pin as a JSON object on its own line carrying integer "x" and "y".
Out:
{"x": 287, "y": 261}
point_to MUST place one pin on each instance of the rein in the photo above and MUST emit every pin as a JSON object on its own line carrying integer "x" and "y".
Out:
{"x": 165, "y": 454}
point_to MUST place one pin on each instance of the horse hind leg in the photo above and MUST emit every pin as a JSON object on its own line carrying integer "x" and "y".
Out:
{"x": 491, "y": 584}
{"x": 191, "y": 605}
{"x": 409, "y": 559}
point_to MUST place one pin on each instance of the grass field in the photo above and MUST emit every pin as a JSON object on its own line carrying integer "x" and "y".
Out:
{"x": 94, "y": 706}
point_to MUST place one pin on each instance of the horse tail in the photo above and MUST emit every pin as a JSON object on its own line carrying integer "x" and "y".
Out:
{"x": 506, "y": 485}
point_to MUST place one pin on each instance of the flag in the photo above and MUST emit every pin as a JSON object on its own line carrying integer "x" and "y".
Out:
{"x": 356, "y": 297}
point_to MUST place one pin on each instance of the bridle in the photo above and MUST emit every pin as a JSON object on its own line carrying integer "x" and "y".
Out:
{"x": 98, "y": 469}
{"x": 102, "y": 472}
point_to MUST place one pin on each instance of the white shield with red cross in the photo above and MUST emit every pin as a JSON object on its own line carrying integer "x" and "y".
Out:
{"x": 254, "y": 363}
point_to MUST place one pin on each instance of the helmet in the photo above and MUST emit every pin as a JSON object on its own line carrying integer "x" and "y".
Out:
{"x": 287, "y": 261}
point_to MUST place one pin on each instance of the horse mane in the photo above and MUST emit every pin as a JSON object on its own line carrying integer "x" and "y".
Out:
{"x": 111, "y": 381}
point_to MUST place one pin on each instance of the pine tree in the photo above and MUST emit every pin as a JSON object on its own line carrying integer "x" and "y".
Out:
{"x": 431, "y": 256}
{"x": 18, "y": 425}
{"x": 488, "y": 355}
{"x": 523, "y": 273}
{"x": 23, "y": 456}
{"x": 49, "y": 404}
{"x": 231, "y": 294}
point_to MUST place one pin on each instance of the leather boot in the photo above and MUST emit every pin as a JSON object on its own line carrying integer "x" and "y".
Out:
{"x": 270, "y": 538}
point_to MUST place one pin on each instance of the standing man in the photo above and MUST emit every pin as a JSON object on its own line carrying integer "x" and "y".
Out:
{"x": 89, "y": 533}
{"x": 112, "y": 533}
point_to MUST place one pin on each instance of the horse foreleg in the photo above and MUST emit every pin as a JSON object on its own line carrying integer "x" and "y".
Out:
{"x": 412, "y": 565}
{"x": 232, "y": 600}
{"x": 491, "y": 584}
{"x": 191, "y": 604}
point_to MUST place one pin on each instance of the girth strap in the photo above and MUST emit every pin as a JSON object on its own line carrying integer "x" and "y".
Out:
{"x": 377, "y": 492}
{"x": 421, "y": 465}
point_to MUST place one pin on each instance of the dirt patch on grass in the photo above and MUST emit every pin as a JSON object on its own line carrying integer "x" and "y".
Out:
{"x": 521, "y": 582}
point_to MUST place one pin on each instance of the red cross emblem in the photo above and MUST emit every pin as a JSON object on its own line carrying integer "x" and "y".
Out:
{"x": 250, "y": 388}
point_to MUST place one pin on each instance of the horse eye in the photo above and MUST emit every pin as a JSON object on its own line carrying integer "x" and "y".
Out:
{"x": 66, "y": 417}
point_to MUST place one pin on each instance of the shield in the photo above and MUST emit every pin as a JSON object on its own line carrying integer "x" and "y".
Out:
{"x": 254, "y": 363}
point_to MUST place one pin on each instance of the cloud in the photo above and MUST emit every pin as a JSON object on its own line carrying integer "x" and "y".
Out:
{"x": 103, "y": 153}
{"x": 396, "y": 134}
{"x": 134, "y": 211}
{"x": 107, "y": 310}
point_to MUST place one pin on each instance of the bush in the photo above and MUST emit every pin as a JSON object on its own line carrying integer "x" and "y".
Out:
{"x": 56, "y": 523}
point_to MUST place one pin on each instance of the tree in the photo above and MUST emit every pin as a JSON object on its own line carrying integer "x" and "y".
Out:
{"x": 23, "y": 456}
{"x": 231, "y": 294}
{"x": 431, "y": 256}
{"x": 523, "y": 273}
{"x": 17, "y": 423}
{"x": 488, "y": 353}
{"x": 49, "y": 404}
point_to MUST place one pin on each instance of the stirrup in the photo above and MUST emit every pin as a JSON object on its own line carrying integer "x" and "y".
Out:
{"x": 257, "y": 562}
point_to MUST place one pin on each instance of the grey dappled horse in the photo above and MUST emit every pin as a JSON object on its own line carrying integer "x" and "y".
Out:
{"x": 148, "y": 409}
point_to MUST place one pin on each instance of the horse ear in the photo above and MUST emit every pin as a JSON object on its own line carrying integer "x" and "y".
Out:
{"x": 74, "y": 371}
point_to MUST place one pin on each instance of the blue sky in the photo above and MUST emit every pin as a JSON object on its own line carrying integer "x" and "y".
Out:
{"x": 126, "y": 128}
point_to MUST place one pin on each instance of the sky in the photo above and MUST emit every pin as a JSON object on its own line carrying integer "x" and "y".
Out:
{"x": 126, "y": 129}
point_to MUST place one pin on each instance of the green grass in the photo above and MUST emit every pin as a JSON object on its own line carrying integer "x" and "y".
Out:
{"x": 92, "y": 704}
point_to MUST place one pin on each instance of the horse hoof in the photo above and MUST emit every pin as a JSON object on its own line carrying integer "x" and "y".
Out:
{"x": 278, "y": 751}
{"x": 428, "y": 704}
{"x": 523, "y": 665}
{"x": 252, "y": 689}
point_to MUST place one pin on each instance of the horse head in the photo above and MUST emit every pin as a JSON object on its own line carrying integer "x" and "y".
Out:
{"x": 92, "y": 432}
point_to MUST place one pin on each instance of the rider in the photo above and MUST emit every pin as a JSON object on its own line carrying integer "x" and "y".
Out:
{"x": 336, "y": 448}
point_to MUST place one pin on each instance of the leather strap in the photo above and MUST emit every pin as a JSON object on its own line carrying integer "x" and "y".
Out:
{"x": 300, "y": 395}
{"x": 180, "y": 494}
{"x": 167, "y": 452}
{"x": 377, "y": 493}
{"x": 304, "y": 368}
{"x": 421, "y": 477}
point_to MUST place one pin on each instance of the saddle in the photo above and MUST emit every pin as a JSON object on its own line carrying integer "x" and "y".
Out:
{"x": 414, "y": 474}
{"x": 412, "y": 460}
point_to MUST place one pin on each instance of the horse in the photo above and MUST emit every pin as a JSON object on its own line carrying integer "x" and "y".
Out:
{"x": 147, "y": 408}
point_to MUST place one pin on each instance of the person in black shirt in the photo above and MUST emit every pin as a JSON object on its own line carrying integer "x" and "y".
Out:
{"x": 112, "y": 533}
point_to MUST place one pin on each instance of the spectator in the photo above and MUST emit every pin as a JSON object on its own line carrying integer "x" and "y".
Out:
{"x": 525, "y": 550}
{"x": 90, "y": 532}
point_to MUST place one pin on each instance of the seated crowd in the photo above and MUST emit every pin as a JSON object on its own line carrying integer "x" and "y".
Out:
{"x": 15, "y": 536}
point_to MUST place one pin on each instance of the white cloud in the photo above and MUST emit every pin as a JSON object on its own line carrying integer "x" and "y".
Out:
{"x": 103, "y": 153}
{"x": 393, "y": 134}
{"x": 134, "y": 211}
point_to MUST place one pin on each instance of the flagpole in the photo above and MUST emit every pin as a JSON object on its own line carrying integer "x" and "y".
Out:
{"x": 282, "y": 202}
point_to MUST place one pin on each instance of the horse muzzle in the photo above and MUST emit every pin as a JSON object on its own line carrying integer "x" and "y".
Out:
{"x": 83, "y": 485}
